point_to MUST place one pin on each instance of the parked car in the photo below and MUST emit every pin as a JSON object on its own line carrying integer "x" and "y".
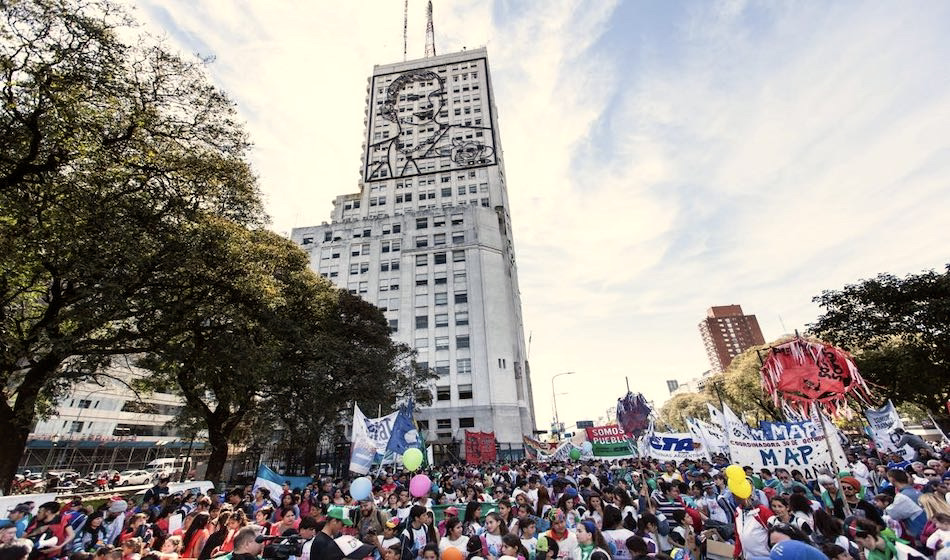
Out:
{"x": 134, "y": 478}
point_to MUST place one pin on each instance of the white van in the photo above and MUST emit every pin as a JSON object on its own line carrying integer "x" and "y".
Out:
{"x": 170, "y": 466}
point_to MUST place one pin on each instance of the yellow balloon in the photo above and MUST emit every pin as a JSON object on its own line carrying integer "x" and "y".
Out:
{"x": 741, "y": 489}
{"x": 734, "y": 472}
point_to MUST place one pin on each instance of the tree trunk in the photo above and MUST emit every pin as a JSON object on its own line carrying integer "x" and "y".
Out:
{"x": 219, "y": 454}
{"x": 17, "y": 421}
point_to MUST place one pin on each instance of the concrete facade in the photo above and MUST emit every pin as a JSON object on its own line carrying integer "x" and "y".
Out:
{"x": 428, "y": 240}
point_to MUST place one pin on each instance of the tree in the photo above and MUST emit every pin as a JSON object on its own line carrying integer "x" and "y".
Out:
{"x": 675, "y": 411}
{"x": 896, "y": 328}
{"x": 350, "y": 357}
{"x": 108, "y": 152}
{"x": 241, "y": 320}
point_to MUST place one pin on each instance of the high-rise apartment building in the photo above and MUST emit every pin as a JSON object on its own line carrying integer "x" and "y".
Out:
{"x": 428, "y": 240}
{"x": 727, "y": 333}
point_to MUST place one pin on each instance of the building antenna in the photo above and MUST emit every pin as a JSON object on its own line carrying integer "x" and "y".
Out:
{"x": 430, "y": 32}
{"x": 405, "y": 29}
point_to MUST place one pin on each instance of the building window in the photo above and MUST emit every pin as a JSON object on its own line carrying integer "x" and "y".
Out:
{"x": 461, "y": 318}
{"x": 76, "y": 427}
{"x": 307, "y": 240}
{"x": 442, "y": 343}
{"x": 461, "y": 341}
{"x": 422, "y": 343}
{"x": 502, "y": 363}
{"x": 422, "y": 260}
{"x": 440, "y": 278}
{"x": 442, "y": 320}
{"x": 443, "y": 394}
{"x": 439, "y": 258}
{"x": 466, "y": 422}
{"x": 458, "y": 237}
{"x": 457, "y": 219}
{"x": 438, "y": 239}
{"x": 461, "y": 297}
{"x": 422, "y": 279}
{"x": 438, "y": 221}
{"x": 463, "y": 366}
{"x": 465, "y": 392}
{"x": 443, "y": 424}
{"x": 84, "y": 403}
{"x": 422, "y": 322}
{"x": 394, "y": 325}
{"x": 441, "y": 298}
{"x": 397, "y": 228}
{"x": 423, "y": 424}
{"x": 422, "y": 241}
{"x": 442, "y": 367}
{"x": 458, "y": 277}
{"x": 422, "y": 223}
{"x": 458, "y": 256}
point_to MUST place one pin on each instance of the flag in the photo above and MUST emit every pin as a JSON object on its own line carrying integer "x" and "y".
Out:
{"x": 715, "y": 416}
{"x": 274, "y": 482}
{"x": 404, "y": 434}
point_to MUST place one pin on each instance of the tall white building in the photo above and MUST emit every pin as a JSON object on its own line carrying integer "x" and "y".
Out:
{"x": 428, "y": 239}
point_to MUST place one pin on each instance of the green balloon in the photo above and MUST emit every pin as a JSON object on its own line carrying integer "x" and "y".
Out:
{"x": 412, "y": 459}
{"x": 575, "y": 454}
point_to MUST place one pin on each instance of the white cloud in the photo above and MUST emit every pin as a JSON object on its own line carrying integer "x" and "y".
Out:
{"x": 746, "y": 153}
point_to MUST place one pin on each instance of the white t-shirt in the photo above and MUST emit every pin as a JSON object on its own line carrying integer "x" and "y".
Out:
{"x": 716, "y": 513}
{"x": 461, "y": 544}
{"x": 493, "y": 542}
{"x": 619, "y": 538}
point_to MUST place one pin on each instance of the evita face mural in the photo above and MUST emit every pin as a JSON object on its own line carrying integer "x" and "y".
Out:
{"x": 430, "y": 120}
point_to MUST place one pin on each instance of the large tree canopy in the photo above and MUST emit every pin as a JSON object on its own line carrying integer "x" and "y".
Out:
{"x": 108, "y": 152}
{"x": 899, "y": 332}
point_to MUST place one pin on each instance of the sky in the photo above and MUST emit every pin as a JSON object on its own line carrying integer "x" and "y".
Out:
{"x": 662, "y": 157}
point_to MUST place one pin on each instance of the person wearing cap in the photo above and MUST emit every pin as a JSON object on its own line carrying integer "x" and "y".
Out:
{"x": 389, "y": 537}
{"x": 323, "y": 547}
{"x": 115, "y": 520}
{"x": 20, "y": 517}
{"x": 449, "y": 512}
{"x": 566, "y": 540}
{"x": 851, "y": 488}
{"x": 370, "y": 521}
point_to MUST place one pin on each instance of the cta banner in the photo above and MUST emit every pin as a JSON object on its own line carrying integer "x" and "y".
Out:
{"x": 676, "y": 446}
{"x": 610, "y": 442}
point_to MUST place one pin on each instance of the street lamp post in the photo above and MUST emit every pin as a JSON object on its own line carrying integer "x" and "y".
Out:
{"x": 554, "y": 400}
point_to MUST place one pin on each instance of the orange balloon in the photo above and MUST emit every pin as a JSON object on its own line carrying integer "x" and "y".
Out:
{"x": 452, "y": 553}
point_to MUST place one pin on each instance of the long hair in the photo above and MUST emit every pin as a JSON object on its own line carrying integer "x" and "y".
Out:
{"x": 197, "y": 524}
{"x": 596, "y": 536}
{"x": 471, "y": 510}
{"x": 543, "y": 500}
{"x": 502, "y": 527}
{"x": 513, "y": 541}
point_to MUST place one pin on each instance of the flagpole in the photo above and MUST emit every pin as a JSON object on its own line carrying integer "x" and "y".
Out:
{"x": 834, "y": 461}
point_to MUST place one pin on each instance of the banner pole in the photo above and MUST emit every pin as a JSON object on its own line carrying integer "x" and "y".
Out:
{"x": 834, "y": 461}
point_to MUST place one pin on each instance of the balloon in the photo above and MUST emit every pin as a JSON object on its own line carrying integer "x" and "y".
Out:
{"x": 412, "y": 459}
{"x": 575, "y": 453}
{"x": 734, "y": 472}
{"x": 419, "y": 485}
{"x": 741, "y": 489}
{"x": 361, "y": 489}
{"x": 435, "y": 488}
{"x": 452, "y": 553}
{"x": 587, "y": 447}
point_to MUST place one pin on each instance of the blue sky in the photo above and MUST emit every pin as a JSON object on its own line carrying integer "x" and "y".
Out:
{"x": 662, "y": 157}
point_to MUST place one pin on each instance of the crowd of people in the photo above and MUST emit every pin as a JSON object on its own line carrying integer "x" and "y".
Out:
{"x": 634, "y": 509}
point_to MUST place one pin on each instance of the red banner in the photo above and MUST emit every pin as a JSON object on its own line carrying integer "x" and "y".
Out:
{"x": 479, "y": 447}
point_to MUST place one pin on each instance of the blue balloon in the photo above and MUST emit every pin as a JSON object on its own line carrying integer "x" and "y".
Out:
{"x": 435, "y": 489}
{"x": 361, "y": 488}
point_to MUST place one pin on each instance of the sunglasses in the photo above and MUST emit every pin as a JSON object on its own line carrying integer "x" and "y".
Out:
{"x": 930, "y": 474}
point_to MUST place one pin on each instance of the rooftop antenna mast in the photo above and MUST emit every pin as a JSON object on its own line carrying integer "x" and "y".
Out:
{"x": 405, "y": 29}
{"x": 430, "y": 32}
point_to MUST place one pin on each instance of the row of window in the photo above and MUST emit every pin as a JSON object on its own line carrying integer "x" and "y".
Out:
{"x": 442, "y": 342}
{"x": 444, "y": 393}
{"x": 440, "y": 320}
{"x": 446, "y": 424}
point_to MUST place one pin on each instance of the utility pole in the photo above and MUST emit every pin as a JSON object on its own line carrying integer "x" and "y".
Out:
{"x": 430, "y": 32}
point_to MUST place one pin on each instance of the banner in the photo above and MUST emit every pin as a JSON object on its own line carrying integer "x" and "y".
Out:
{"x": 882, "y": 421}
{"x": 560, "y": 453}
{"x": 274, "y": 482}
{"x": 674, "y": 447}
{"x": 370, "y": 439}
{"x": 789, "y": 430}
{"x": 715, "y": 416}
{"x": 479, "y": 447}
{"x": 711, "y": 435}
{"x": 734, "y": 427}
{"x": 808, "y": 455}
{"x": 609, "y": 441}
{"x": 403, "y": 434}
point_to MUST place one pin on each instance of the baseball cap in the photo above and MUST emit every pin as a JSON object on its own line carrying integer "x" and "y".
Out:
{"x": 337, "y": 512}
{"x": 393, "y": 523}
{"x": 21, "y": 508}
{"x": 351, "y": 547}
{"x": 556, "y": 515}
{"x": 451, "y": 510}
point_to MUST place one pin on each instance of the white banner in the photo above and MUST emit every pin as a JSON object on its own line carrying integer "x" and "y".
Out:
{"x": 712, "y": 436}
{"x": 808, "y": 455}
{"x": 370, "y": 438}
{"x": 882, "y": 420}
{"x": 715, "y": 416}
{"x": 674, "y": 447}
